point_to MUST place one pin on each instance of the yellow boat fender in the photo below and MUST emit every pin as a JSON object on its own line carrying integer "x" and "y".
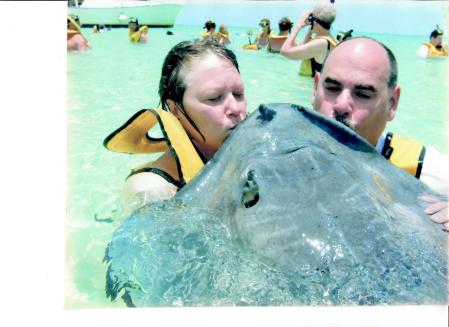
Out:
{"x": 133, "y": 138}
{"x": 250, "y": 47}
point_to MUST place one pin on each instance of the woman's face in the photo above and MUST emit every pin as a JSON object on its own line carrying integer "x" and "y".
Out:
{"x": 214, "y": 99}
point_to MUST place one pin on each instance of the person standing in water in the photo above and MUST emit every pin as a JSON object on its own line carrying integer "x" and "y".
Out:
{"x": 312, "y": 50}
{"x": 75, "y": 39}
{"x": 275, "y": 42}
{"x": 435, "y": 47}
{"x": 203, "y": 99}
{"x": 137, "y": 33}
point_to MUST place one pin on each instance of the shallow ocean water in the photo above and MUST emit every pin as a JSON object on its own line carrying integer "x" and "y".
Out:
{"x": 108, "y": 84}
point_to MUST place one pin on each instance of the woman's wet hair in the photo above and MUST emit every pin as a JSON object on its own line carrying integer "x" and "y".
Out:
{"x": 172, "y": 85}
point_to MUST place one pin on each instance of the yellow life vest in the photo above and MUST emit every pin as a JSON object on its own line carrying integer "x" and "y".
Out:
{"x": 132, "y": 137}
{"x": 404, "y": 153}
{"x": 434, "y": 52}
{"x": 224, "y": 38}
{"x": 206, "y": 34}
{"x": 134, "y": 36}
{"x": 306, "y": 68}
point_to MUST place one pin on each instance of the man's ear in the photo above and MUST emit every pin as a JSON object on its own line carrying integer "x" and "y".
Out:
{"x": 174, "y": 108}
{"x": 394, "y": 101}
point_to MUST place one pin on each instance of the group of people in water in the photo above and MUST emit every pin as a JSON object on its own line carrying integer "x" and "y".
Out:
{"x": 202, "y": 96}
{"x": 222, "y": 36}
{"x": 77, "y": 42}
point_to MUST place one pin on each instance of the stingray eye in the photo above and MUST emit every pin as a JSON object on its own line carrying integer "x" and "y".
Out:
{"x": 250, "y": 194}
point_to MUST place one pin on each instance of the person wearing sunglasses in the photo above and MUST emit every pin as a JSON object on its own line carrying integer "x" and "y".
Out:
{"x": 317, "y": 42}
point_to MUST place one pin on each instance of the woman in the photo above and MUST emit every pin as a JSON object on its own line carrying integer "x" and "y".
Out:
{"x": 136, "y": 33}
{"x": 312, "y": 51}
{"x": 264, "y": 35}
{"x": 202, "y": 97}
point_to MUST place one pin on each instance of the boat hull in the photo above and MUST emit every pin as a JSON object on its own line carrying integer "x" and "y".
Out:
{"x": 160, "y": 15}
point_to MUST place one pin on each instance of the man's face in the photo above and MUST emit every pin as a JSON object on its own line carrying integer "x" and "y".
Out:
{"x": 352, "y": 88}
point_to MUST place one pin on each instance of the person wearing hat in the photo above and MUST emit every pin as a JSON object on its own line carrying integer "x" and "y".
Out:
{"x": 136, "y": 33}
{"x": 275, "y": 42}
{"x": 202, "y": 98}
{"x": 75, "y": 40}
{"x": 312, "y": 51}
{"x": 435, "y": 47}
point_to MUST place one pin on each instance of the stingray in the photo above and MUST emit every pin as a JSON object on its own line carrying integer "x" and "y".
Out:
{"x": 294, "y": 209}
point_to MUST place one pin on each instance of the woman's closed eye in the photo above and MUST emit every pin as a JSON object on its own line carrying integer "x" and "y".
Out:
{"x": 215, "y": 98}
{"x": 238, "y": 95}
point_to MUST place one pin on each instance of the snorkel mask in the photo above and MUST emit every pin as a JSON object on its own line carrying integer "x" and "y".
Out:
{"x": 264, "y": 23}
{"x": 343, "y": 35}
{"x": 76, "y": 18}
{"x": 135, "y": 21}
{"x": 311, "y": 19}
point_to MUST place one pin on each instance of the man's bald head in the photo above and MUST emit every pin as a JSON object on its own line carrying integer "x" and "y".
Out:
{"x": 368, "y": 44}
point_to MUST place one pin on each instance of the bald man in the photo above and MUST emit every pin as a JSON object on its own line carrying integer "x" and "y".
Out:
{"x": 358, "y": 87}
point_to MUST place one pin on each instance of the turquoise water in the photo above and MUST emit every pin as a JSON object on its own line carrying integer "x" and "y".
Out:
{"x": 116, "y": 79}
